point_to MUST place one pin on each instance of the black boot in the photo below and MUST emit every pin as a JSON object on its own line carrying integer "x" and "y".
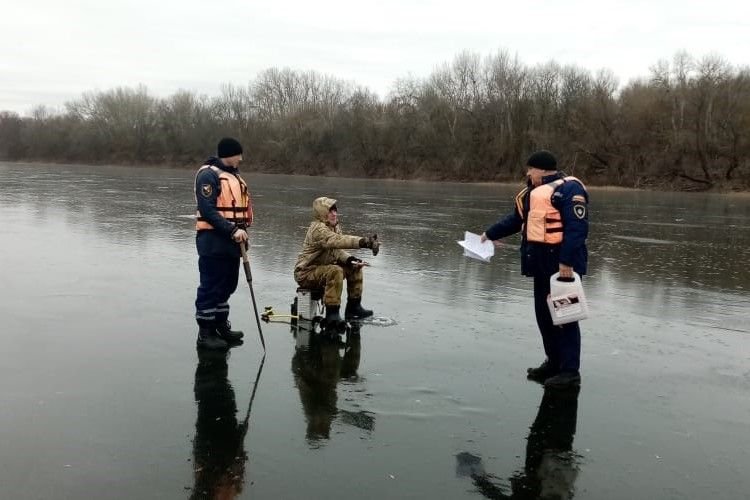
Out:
{"x": 208, "y": 338}
{"x": 564, "y": 380}
{"x": 354, "y": 310}
{"x": 541, "y": 372}
{"x": 332, "y": 315}
{"x": 225, "y": 332}
{"x": 333, "y": 319}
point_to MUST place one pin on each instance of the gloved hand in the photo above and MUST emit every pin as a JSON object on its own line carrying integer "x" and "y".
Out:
{"x": 370, "y": 242}
{"x": 239, "y": 235}
{"x": 355, "y": 262}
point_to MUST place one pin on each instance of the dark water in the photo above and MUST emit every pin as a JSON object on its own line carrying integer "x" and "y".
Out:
{"x": 103, "y": 395}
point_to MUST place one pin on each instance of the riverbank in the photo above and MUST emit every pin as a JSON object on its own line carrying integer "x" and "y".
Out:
{"x": 255, "y": 168}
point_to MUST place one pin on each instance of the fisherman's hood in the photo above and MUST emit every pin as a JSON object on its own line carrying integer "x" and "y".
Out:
{"x": 321, "y": 207}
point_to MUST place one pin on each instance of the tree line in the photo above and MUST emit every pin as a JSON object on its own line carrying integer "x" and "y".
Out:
{"x": 685, "y": 126}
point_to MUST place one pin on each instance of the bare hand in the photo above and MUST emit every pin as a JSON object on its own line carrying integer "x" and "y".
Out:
{"x": 240, "y": 236}
{"x": 484, "y": 238}
{"x": 360, "y": 264}
{"x": 566, "y": 271}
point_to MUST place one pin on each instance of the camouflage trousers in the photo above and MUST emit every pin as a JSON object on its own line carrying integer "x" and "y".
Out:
{"x": 331, "y": 277}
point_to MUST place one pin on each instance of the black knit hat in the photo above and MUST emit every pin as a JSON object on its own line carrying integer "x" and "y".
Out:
{"x": 228, "y": 147}
{"x": 543, "y": 160}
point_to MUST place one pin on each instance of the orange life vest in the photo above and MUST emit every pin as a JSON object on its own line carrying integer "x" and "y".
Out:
{"x": 233, "y": 202}
{"x": 544, "y": 222}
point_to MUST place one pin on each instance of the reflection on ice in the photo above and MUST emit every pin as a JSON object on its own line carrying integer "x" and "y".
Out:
{"x": 318, "y": 366}
{"x": 97, "y": 294}
{"x": 551, "y": 466}
{"x": 644, "y": 240}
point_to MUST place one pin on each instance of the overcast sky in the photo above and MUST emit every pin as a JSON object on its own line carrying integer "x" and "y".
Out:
{"x": 52, "y": 51}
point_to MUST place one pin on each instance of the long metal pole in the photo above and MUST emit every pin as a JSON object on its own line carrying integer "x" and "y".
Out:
{"x": 249, "y": 275}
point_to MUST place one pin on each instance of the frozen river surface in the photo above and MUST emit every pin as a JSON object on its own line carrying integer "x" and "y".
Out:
{"x": 102, "y": 393}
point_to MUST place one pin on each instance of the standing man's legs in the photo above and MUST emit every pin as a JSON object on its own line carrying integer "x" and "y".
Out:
{"x": 218, "y": 280}
{"x": 230, "y": 272}
{"x": 562, "y": 344}
{"x": 548, "y": 331}
{"x": 207, "y": 296}
{"x": 570, "y": 348}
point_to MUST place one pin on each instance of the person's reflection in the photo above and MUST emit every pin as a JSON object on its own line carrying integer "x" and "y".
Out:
{"x": 318, "y": 365}
{"x": 551, "y": 466}
{"x": 218, "y": 448}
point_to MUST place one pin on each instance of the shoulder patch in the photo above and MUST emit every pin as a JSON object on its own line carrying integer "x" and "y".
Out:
{"x": 206, "y": 190}
{"x": 579, "y": 198}
{"x": 579, "y": 210}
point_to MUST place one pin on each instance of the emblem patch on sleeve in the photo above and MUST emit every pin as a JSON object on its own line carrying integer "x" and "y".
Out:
{"x": 580, "y": 211}
{"x": 206, "y": 190}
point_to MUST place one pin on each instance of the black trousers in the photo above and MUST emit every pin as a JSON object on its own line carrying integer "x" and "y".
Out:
{"x": 218, "y": 281}
{"x": 562, "y": 344}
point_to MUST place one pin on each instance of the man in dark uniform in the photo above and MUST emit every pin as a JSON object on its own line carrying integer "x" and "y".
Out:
{"x": 224, "y": 213}
{"x": 552, "y": 215}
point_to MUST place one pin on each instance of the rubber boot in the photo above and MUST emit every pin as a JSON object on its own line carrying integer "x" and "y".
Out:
{"x": 332, "y": 315}
{"x": 225, "y": 332}
{"x": 208, "y": 338}
{"x": 333, "y": 321}
{"x": 354, "y": 310}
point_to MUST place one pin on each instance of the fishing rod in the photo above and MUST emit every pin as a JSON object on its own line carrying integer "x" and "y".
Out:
{"x": 268, "y": 314}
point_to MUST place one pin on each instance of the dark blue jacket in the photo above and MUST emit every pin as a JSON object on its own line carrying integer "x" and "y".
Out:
{"x": 216, "y": 242}
{"x": 541, "y": 259}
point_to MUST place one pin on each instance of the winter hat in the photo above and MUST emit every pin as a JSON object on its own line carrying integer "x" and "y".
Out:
{"x": 543, "y": 160}
{"x": 228, "y": 147}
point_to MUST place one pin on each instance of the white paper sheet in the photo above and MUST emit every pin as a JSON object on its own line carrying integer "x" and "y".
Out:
{"x": 474, "y": 248}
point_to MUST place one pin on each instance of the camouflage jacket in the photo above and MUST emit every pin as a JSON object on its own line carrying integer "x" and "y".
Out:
{"x": 323, "y": 244}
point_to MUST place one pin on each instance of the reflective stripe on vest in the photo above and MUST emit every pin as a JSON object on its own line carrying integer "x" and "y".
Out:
{"x": 233, "y": 201}
{"x": 544, "y": 222}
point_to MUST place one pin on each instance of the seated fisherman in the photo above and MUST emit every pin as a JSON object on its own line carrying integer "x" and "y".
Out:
{"x": 323, "y": 263}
